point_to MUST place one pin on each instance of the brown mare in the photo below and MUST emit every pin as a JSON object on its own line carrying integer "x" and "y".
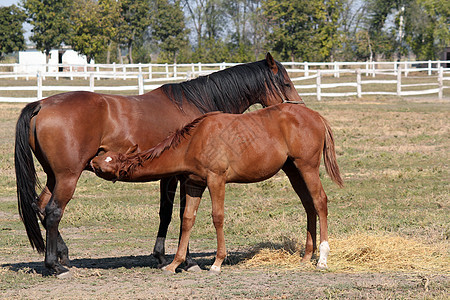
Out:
{"x": 219, "y": 148}
{"x": 67, "y": 130}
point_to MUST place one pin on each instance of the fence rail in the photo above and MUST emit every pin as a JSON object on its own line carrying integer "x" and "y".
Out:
{"x": 151, "y": 76}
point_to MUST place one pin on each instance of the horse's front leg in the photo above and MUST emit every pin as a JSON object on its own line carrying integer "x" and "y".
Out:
{"x": 168, "y": 187}
{"x": 193, "y": 197}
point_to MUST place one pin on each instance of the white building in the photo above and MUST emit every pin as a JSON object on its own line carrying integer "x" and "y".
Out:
{"x": 32, "y": 61}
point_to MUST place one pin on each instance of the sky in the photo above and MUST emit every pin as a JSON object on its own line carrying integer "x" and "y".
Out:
{"x": 26, "y": 26}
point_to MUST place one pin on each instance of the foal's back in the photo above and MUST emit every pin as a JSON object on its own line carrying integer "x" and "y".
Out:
{"x": 254, "y": 146}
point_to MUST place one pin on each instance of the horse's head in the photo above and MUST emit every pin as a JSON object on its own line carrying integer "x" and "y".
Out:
{"x": 283, "y": 89}
{"x": 107, "y": 166}
{"x": 113, "y": 165}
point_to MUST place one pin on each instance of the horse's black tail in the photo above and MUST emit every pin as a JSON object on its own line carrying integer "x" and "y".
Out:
{"x": 26, "y": 177}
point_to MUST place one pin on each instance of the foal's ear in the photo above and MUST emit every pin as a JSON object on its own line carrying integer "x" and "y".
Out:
{"x": 271, "y": 62}
{"x": 132, "y": 150}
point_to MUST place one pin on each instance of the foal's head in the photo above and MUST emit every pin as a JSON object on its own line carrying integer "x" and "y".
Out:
{"x": 115, "y": 166}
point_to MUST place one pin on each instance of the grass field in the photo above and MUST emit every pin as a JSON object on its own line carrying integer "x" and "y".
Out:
{"x": 389, "y": 227}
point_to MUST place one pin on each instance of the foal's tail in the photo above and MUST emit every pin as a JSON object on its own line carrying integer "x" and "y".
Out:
{"x": 26, "y": 177}
{"x": 329, "y": 155}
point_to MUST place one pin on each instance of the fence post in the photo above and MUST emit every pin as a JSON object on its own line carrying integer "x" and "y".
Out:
{"x": 167, "y": 70}
{"x": 114, "y": 70}
{"x": 91, "y": 82}
{"x": 141, "y": 83}
{"x": 406, "y": 69}
{"x": 150, "y": 71}
{"x": 85, "y": 70}
{"x": 39, "y": 85}
{"x": 97, "y": 69}
{"x": 358, "y": 83}
{"x": 175, "y": 73}
{"x": 367, "y": 68}
{"x": 399, "y": 81}
{"x": 71, "y": 72}
{"x": 429, "y": 67}
{"x": 199, "y": 68}
{"x": 336, "y": 70}
{"x": 124, "y": 69}
{"x": 306, "y": 69}
{"x": 441, "y": 83}
{"x": 318, "y": 80}
{"x": 373, "y": 68}
{"x": 193, "y": 70}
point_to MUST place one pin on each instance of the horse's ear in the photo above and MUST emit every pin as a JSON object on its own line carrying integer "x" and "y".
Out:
{"x": 271, "y": 62}
{"x": 132, "y": 150}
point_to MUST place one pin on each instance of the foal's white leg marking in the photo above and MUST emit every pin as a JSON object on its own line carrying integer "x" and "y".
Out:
{"x": 214, "y": 269}
{"x": 324, "y": 249}
{"x": 108, "y": 159}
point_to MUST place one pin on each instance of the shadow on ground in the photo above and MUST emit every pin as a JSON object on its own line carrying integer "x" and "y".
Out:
{"x": 204, "y": 260}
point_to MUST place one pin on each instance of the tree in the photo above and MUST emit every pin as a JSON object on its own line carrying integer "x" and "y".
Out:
{"x": 87, "y": 34}
{"x": 11, "y": 31}
{"x": 427, "y": 29}
{"x": 303, "y": 29}
{"x": 168, "y": 28}
{"x": 136, "y": 19}
{"x": 208, "y": 19}
{"x": 50, "y": 21}
{"x": 94, "y": 26}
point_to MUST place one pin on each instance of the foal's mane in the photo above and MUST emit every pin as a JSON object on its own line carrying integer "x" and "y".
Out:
{"x": 230, "y": 89}
{"x": 171, "y": 141}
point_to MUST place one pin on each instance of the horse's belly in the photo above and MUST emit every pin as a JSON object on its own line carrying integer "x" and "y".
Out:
{"x": 254, "y": 170}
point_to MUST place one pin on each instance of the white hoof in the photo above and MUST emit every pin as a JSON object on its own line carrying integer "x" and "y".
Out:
{"x": 322, "y": 266}
{"x": 215, "y": 270}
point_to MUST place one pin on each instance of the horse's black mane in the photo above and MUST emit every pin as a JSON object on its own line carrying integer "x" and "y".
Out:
{"x": 229, "y": 90}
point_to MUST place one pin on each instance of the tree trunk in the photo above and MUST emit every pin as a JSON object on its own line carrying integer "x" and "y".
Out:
{"x": 108, "y": 54}
{"x": 119, "y": 55}
{"x": 130, "y": 53}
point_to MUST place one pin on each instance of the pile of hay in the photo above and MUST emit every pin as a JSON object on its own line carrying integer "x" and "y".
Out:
{"x": 363, "y": 253}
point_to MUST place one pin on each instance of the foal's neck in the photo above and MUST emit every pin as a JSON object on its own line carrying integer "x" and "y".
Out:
{"x": 170, "y": 162}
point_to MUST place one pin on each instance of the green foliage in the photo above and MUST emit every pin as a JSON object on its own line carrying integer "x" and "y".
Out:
{"x": 50, "y": 21}
{"x": 168, "y": 28}
{"x": 427, "y": 27}
{"x": 136, "y": 19}
{"x": 87, "y": 31}
{"x": 303, "y": 29}
{"x": 11, "y": 32}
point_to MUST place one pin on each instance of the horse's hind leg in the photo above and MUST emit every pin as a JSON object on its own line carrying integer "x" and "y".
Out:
{"x": 190, "y": 264}
{"x": 311, "y": 178}
{"x": 41, "y": 203}
{"x": 300, "y": 188}
{"x": 62, "y": 193}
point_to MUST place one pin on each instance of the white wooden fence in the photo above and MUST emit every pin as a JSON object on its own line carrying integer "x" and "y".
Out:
{"x": 151, "y": 76}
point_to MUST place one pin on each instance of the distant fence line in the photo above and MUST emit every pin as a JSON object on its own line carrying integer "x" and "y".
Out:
{"x": 151, "y": 76}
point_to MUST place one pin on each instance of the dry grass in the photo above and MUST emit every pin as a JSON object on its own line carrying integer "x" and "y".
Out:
{"x": 363, "y": 253}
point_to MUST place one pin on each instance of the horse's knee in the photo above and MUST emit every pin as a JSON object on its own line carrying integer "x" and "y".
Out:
{"x": 218, "y": 219}
{"x": 188, "y": 222}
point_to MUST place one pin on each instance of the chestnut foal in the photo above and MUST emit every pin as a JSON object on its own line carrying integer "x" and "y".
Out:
{"x": 218, "y": 148}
